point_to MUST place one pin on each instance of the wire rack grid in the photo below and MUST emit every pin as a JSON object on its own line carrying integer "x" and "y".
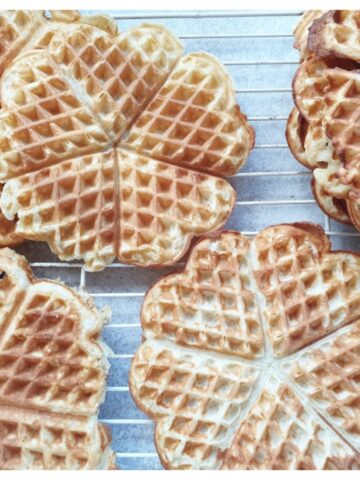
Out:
{"x": 256, "y": 48}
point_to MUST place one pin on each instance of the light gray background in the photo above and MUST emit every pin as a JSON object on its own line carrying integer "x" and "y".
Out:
{"x": 256, "y": 48}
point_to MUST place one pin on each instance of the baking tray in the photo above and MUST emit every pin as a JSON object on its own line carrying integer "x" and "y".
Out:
{"x": 256, "y": 48}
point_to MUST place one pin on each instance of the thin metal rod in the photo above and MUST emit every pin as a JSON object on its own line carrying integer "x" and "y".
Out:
{"x": 235, "y": 35}
{"x": 276, "y": 202}
{"x": 263, "y": 90}
{"x": 200, "y": 14}
{"x": 137, "y": 455}
{"x": 260, "y": 62}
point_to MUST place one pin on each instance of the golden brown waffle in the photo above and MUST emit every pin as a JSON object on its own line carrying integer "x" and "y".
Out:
{"x": 162, "y": 206}
{"x": 336, "y": 33}
{"x": 194, "y": 120}
{"x": 52, "y": 374}
{"x": 211, "y": 304}
{"x": 74, "y": 206}
{"x": 72, "y": 176}
{"x": 117, "y": 76}
{"x": 71, "y": 206}
{"x": 42, "y": 120}
{"x": 208, "y": 371}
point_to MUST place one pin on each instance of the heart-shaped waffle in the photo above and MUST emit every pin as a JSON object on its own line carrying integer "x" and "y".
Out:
{"x": 75, "y": 175}
{"x": 52, "y": 374}
{"x": 208, "y": 370}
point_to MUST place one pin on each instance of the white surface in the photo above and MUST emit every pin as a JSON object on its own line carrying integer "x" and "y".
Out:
{"x": 271, "y": 188}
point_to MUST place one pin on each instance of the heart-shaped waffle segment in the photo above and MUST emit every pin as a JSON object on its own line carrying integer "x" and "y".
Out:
{"x": 117, "y": 77}
{"x": 208, "y": 371}
{"x": 52, "y": 374}
{"x": 74, "y": 180}
{"x": 336, "y": 33}
{"x": 194, "y": 120}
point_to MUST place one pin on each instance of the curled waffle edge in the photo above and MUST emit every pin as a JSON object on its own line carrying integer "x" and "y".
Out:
{"x": 196, "y": 336}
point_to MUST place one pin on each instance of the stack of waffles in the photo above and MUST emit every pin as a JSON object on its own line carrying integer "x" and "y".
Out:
{"x": 323, "y": 130}
{"x": 52, "y": 374}
{"x": 113, "y": 145}
{"x": 251, "y": 355}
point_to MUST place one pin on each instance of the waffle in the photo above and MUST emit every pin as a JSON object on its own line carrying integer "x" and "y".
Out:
{"x": 74, "y": 206}
{"x": 328, "y": 372}
{"x": 237, "y": 307}
{"x": 335, "y": 208}
{"x": 52, "y": 374}
{"x": 17, "y": 27}
{"x": 25, "y": 29}
{"x": 73, "y": 106}
{"x": 336, "y": 33}
{"x": 194, "y": 121}
{"x": 279, "y": 433}
{"x": 326, "y": 97}
{"x": 117, "y": 76}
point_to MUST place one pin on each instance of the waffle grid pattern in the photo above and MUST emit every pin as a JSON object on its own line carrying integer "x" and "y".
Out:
{"x": 308, "y": 297}
{"x": 52, "y": 374}
{"x": 183, "y": 122}
{"x": 79, "y": 96}
{"x": 212, "y": 307}
{"x": 304, "y": 293}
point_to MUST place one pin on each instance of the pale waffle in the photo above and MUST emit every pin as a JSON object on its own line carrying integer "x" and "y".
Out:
{"x": 53, "y": 371}
{"x": 326, "y": 90}
{"x": 336, "y": 33}
{"x": 208, "y": 371}
{"x": 82, "y": 99}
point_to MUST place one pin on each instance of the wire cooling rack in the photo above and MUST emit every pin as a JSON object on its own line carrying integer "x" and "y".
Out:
{"x": 256, "y": 48}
